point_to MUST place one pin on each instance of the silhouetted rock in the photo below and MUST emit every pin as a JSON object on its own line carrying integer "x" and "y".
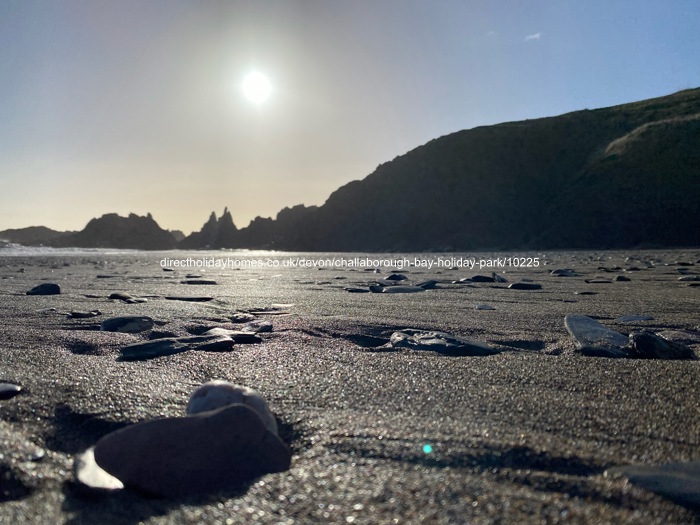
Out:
{"x": 113, "y": 231}
{"x": 32, "y": 236}
{"x": 216, "y": 233}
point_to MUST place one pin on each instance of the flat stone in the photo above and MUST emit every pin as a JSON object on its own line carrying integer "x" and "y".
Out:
{"x": 396, "y": 277}
{"x": 199, "y": 454}
{"x": 395, "y": 289}
{"x": 689, "y": 278}
{"x": 219, "y": 393}
{"x": 242, "y": 317}
{"x": 127, "y": 298}
{"x": 480, "y": 279}
{"x": 189, "y": 298}
{"x": 155, "y": 348}
{"x": 499, "y": 278}
{"x": 634, "y": 318}
{"x": 237, "y": 336}
{"x": 525, "y": 286}
{"x": 679, "y": 482}
{"x": 128, "y": 324}
{"x": 593, "y": 339}
{"x": 45, "y": 289}
{"x": 90, "y": 474}
{"x": 439, "y": 342}
{"x": 564, "y": 272}
{"x": 356, "y": 290}
{"x": 427, "y": 285}
{"x": 258, "y": 327}
{"x": 84, "y": 315}
{"x": 198, "y": 281}
{"x": 208, "y": 342}
{"x": 597, "y": 280}
{"x": 484, "y": 307}
{"x": 621, "y": 278}
{"x": 9, "y": 390}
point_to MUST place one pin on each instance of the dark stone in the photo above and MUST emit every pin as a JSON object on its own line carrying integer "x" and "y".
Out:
{"x": 45, "y": 289}
{"x": 621, "y": 278}
{"x": 593, "y": 339}
{"x": 199, "y": 454}
{"x": 525, "y": 286}
{"x": 191, "y": 299}
{"x": 198, "y": 281}
{"x": 440, "y": 342}
{"x": 131, "y": 324}
{"x": 646, "y": 345}
{"x": 396, "y": 277}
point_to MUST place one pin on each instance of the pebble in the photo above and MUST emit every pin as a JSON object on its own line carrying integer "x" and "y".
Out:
{"x": 499, "y": 278}
{"x": 525, "y": 286}
{"x": 198, "y": 281}
{"x": 679, "y": 482}
{"x": 9, "y": 390}
{"x": 84, "y": 315}
{"x": 689, "y": 278}
{"x": 597, "y": 280}
{"x": 219, "y": 393}
{"x": 189, "y": 298}
{"x": 479, "y": 279}
{"x": 395, "y": 289}
{"x": 356, "y": 290}
{"x": 621, "y": 278}
{"x": 396, "y": 277}
{"x": 427, "y": 285}
{"x": 238, "y": 336}
{"x": 634, "y": 318}
{"x": 564, "y": 272}
{"x": 484, "y": 307}
{"x": 593, "y": 339}
{"x": 152, "y": 349}
{"x": 199, "y": 454}
{"x": 439, "y": 342}
{"x": 45, "y": 289}
{"x": 127, "y": 298}
{"x": 175, "y": 345}
{"x": 242, "y": 317}
{"x": 258, "y": 327}
{"x": 128, "y": 324}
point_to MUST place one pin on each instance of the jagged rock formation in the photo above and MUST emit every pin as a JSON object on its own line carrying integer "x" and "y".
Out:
{"x": 216, "y": 233}
{"x": 33, "y": 235}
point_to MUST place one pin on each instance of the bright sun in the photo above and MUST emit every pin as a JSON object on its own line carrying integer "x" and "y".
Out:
{"x": 256, "y": 87}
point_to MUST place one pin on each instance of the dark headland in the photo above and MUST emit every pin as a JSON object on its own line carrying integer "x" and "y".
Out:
{"x": 617, "y": 177}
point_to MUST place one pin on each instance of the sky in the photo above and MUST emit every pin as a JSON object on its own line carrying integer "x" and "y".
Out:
{"x": 137, "y": 106}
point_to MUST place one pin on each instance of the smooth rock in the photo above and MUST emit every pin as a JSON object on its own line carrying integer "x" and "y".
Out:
{"x": 84, "y": 315}
{"x": 258, "y": 327}
{"x": 498, "y": 278}
{"x": 621, "y": 278}
{"x": 45, "y": 289}
{"x": 189, "y": 298}
{"x": 237, "y": 336}
{"x": 481, "y": 279}
{"x": 597, "y": 280}
{"x": 128, "y": 324}
{"x": 9, "y": 390}
{"x": 427, "y": 285}
{"x": 219, "y": 393}
{"x": 484, "y": 307}
{"x": 593, "y": 339}
{"x": 689, "y": 278}
{"x": 208, "y": 342}
{"x": 679, "y": 482}
{"x": 564, "y": 272}
{"x": 90, "y": 474}
{"x": 646, "y": 345}
{"x": 198, "y": 454}
{"x": 242, "y": 317}
{"x": 356, "y": 290}
{"x": 127, "y": 298}
{"x": 198, "y": 281}
{"x": 525, "y": 286}
{"x": 155, "y": 348}
{"x": 395, "y": 289}
{"x": 439, "y": 342}
{"x": 396, "y": 277}
{"x": 634, "y": 318}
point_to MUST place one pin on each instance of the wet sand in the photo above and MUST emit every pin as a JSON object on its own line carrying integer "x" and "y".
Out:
{"x": 523, "y": 436}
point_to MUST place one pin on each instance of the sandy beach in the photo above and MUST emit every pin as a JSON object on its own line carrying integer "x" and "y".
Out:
{"x": 378, "y": 434}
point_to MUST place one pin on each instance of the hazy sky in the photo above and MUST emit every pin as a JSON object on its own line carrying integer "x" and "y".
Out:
{"x": 137, "y": 106}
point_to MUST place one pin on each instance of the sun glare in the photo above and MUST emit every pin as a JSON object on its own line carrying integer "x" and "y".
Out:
{"x": 256, "y": 87}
